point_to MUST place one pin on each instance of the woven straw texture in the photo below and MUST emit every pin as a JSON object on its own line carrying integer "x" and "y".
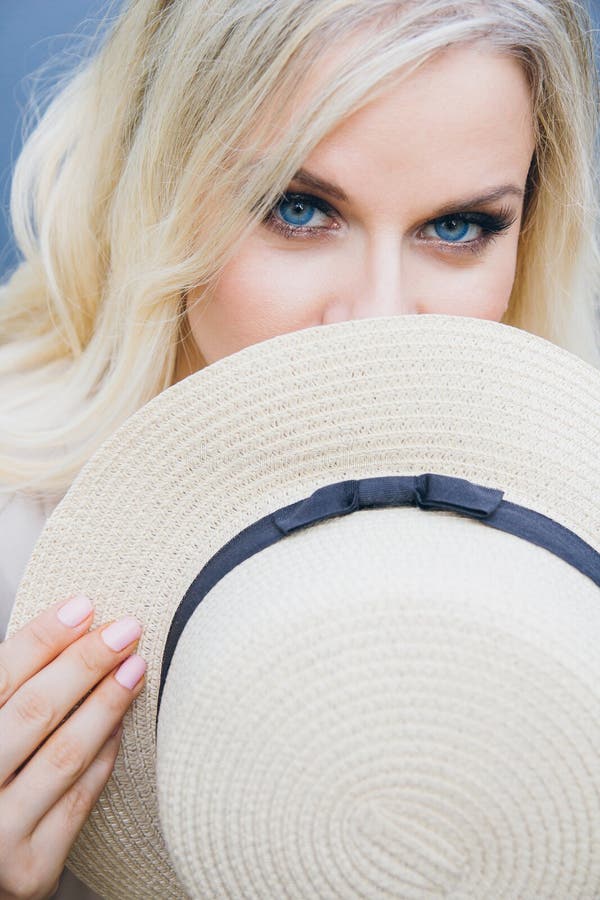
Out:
{"x": 264, "y": 428}
{"x": 335, "y": 725}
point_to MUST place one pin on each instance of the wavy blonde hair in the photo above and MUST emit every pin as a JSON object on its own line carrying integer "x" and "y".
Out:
{"x": 164, "y": 149}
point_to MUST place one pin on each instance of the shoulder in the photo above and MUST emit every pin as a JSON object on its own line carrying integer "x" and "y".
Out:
{"x": 22, "y": 518}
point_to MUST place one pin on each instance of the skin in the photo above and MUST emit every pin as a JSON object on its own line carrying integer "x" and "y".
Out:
{"x": 458, "y": 128}
{"x": 45, "y": 797}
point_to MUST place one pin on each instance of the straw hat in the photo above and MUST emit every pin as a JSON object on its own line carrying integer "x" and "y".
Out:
{"x": 398, "y": 696}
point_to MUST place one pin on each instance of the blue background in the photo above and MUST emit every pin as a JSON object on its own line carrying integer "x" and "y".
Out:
{"x": 32, "y": 32}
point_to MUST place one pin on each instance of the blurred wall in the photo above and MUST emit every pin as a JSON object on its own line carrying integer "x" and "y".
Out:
{"x": 31, "y": 32}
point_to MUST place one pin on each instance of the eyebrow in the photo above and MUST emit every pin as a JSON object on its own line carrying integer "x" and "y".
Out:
{"x": 308, "y": 179}
{"x": 481, "y": 199}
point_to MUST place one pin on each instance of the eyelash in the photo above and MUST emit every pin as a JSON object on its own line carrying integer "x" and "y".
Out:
{"x": 491, "y": 224}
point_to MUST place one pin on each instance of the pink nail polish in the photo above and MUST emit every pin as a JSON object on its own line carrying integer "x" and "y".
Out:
{"x": 129, "y": 672}
{"x": 121, "y": 633}
{"x": 75, "y": 610}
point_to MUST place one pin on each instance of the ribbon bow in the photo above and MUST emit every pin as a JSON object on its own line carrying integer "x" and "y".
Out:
{"x": 426, "y": 491}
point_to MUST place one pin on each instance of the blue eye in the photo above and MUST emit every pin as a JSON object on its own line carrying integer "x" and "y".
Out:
{"x": 298, "y": 216}
{"x": 453, "y": 230}
{"x": 296, "y": 210}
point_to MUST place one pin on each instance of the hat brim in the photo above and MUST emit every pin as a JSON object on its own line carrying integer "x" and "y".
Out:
{"x": 264, "y": 428}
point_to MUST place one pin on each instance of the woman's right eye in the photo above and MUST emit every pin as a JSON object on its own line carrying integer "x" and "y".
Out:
{"x": 299, "y": 215}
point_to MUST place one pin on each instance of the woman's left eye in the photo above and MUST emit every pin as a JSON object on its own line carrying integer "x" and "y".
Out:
{"x": 454, "y": 230}
{"x": 468, "y": 231}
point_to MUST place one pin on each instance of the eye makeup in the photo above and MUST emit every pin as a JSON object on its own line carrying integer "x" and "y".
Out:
{"x": 302, "y": 203}
{"x": 490, "y": 226}
{"x": 303, "y": 206}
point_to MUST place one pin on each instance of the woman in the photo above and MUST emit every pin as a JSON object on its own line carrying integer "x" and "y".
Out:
{"x": 222, "y": 172}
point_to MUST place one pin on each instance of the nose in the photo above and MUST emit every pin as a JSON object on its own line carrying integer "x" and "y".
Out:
{"x": 382, "y": 286}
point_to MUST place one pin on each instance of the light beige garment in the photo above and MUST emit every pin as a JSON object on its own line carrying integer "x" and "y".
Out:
{"x": 21, "y": 521}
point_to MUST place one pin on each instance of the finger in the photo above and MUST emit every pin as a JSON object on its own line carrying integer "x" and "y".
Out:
{"x": 57, "y": 831}
{"x": 67, "y": 755}
{"x": 40, "y": 641}
{"x": 39, "y": 706}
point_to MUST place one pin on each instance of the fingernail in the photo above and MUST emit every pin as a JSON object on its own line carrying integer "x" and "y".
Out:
{"x": 121, "y": 633}
{"x": 116, "y": 729}
{"x": 75, "y": 610}
{"x": 129, "y": 672}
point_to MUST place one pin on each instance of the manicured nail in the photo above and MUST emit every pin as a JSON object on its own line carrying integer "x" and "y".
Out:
{"x": 129, "y": 672}
{"x": 75, "y": 610}
{"x": 121, "y": 633}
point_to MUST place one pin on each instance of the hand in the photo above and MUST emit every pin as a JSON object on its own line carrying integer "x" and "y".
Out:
{"x": 53, "y": 771}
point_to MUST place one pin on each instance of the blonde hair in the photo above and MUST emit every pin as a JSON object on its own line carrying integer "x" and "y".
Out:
{"x": 165, "y": 148}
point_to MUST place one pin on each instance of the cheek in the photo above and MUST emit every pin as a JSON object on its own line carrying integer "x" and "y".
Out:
{"x": 494, "y": 294}
{"x": 479, "y": 288}
{"x": 257, "y": 296}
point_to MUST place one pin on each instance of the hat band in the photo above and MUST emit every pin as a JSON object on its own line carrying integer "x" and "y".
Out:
{"x": 428, "y": 491}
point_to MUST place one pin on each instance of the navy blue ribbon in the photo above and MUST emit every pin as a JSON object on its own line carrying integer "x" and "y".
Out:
{"x": 428, "y": 492}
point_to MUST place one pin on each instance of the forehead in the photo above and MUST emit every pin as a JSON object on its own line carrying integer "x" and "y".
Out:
{"x": 465, "y": 115}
